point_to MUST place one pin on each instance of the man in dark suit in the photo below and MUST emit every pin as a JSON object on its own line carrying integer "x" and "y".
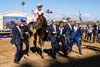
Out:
{"x": 25, "y": 32}
{"x": 17, "y": 37}
{"x": 62, "y": 38}
{"x": 68, "y": 32}
{"x": 54, "y": 32}
{"x": 99, "y": 33}
{"x": 76, "y": 36}
{"x": 95, "y": 32}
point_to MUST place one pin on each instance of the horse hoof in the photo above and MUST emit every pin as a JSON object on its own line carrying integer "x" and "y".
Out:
{"x": 42, "y": 55}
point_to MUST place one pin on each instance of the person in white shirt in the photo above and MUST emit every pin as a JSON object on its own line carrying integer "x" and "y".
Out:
{"x": 37, "y": 12}
{"x": 90, "y": 30}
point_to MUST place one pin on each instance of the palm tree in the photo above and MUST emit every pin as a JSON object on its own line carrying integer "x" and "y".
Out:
{"x": 23, "y": 3}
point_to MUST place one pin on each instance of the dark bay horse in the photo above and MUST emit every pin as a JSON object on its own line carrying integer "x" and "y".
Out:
{"x": 40, "y": 34}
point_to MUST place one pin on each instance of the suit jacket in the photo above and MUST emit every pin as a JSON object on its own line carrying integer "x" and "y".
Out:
{"x": 68, "y": 31}
{"x": 77, "y": 33}
{"x": 16, "y": 36}
{"x": 63, "y": 33}
{"x": 53, "y": 36}
{"x": 25, "y": 29}
{"x": 99, "y": 29}
{"x": 61, "y": 36}
{"x": 95, "y": 31}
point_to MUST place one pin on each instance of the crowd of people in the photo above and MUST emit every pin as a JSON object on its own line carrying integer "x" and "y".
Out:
{"x": 92, "y": 33}
{"x": 66, "y": 34}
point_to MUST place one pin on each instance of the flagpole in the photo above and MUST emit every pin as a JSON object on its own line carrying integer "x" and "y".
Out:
{"x": 80, "y": 18}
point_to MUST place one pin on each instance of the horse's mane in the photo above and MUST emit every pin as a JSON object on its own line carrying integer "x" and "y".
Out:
{"x": 41, "y": 21}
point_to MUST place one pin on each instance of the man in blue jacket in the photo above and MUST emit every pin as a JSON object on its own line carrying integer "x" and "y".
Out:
{"x": 76, "y": 36}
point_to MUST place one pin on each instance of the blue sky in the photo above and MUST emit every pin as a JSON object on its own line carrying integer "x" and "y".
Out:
{"x": 61, "y": 8}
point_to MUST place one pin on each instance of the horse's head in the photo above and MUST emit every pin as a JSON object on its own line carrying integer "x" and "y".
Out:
{"x": 41, "y": 20}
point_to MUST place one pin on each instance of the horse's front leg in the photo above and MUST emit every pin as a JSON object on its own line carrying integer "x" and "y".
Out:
{"x": 42, "y": 46}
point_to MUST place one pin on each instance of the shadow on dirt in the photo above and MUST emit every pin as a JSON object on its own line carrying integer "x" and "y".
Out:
{"x": 93, "y": 61}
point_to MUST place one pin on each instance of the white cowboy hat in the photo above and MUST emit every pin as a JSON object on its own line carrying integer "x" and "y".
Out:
{"x": 39, "y": 4}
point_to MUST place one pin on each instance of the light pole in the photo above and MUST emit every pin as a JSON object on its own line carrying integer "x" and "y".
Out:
{"x": 23, "y": 3}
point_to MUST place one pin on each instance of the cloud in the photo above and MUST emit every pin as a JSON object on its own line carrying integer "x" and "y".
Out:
{"x": 74, "y": 16}
{"x": 56, "y": 15}
{"x": 87, "y": 17}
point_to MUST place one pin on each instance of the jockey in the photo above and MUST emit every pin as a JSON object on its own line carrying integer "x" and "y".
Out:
{"x": 37, "y": 12}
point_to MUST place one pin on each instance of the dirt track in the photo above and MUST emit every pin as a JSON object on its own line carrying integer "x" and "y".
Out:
{"x": 90, "y": 56}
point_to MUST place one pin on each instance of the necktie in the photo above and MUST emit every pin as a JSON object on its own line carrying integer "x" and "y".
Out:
{"x": 75, "y": 28}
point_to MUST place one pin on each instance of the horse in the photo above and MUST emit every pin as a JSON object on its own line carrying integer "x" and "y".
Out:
{"x": 30, "y": 28}
{"x": 40, "y": 34}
